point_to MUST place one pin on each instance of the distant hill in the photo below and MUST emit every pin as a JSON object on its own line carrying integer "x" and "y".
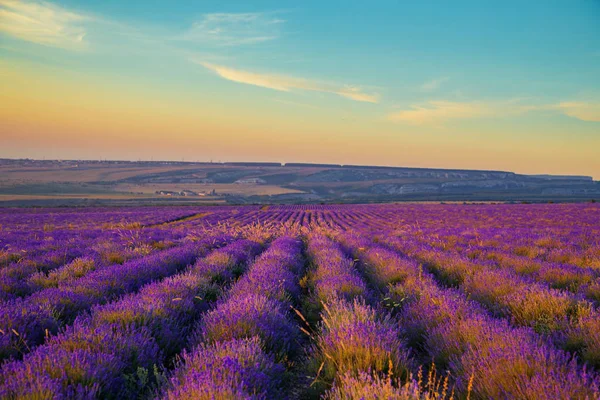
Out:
{"x": 73, "y": 182}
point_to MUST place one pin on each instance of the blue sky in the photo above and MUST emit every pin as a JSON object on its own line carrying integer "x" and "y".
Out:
{"x": 503, "y": 85}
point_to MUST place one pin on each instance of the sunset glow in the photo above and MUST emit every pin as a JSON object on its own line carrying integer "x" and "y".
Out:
{"x": 419, "y": 84}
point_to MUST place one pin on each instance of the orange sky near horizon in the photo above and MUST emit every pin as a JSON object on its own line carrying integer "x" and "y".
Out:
{"x": 52, "y": 113}
{"x": 510, "y": 86}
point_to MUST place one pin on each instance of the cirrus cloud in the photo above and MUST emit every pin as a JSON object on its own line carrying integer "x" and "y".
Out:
{"x": 234, "y": 29}
{"x": 43, "y": 23}
{"x": 287, "y": 83}
{"x": 440, "y": 111}
{"x": 433, "y": 84}
{"x": 581, "y": 110}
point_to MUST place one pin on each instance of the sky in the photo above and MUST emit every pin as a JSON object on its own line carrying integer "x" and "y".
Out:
{"x": 508, "y": 85}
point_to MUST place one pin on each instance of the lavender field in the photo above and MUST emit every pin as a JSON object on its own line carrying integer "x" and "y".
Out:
{"x": 416, "y": 301}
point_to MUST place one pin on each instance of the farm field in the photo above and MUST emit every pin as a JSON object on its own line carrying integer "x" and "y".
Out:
{"x": 394, "y": 301}
{"x": 52, "y": 183}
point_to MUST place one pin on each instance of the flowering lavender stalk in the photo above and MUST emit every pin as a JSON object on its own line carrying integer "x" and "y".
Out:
{"x": 156, "y": 319}
{"x": 257, "y": 304}
{"x": 520, "y": 367}
{"x": 83, "y": 361}
{"x": 23, "y": 323}
{"x": 582, "y": 336}
{"x": 35, "y": 266}
{"x": 249, "y": 319}
{"x": 366, "y": 386}
{"x": 169, "y": 307}
{"x": 506, "y": 301}
{"x": 382, "y": 266}
{"x": 461, "y": 336}
{"x": 252, "y": 315}
{"x": 70, "y": 271}
{"x": 355, "y": 337}
{"x": 235, "y": 369}
{"x": 334, "y": 275}
{"x": 506, "y": 294}
{"x": 13, "y": 278}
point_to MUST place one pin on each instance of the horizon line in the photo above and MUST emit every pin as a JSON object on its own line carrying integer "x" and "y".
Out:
{"x": 297, "y": 163}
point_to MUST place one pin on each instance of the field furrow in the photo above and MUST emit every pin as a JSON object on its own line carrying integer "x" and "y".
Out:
{"x": 335, "y": 302}
{"x": 569, "y": 323}
{"x": 127, "y": 342}
{"x": 245, "y": 344}
{"x": 25, "y": 323}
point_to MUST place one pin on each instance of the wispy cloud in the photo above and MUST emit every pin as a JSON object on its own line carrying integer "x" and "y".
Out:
{"x": 436, "y": 112}
{"x": 234, "y": 29}
{"x": 286, "y": 83}
{"x": 442, "y": 111}
{"x": 355, "y": 93}
{"x": 43, "y": 23}
{"x": 432, "y": 85}
{"x": 580, "y": 110}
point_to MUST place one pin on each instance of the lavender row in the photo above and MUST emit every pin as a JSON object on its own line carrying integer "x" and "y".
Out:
{"x": 110, "y": 352}
{"x": 93, "y": 260}
{"x": 34, "y": 260}
{"x": 24, "y": 323}
{"x": 563, "y": 224}
{"x": 581, "y": 280}
{"x": 484, "y": 354}
{"x": 107, "y": 218}
{"x": 402, "y": 379}
{"x": 569, "y": 246}
{"x": 14, "y": 276}
{"x": 523, "y": 278}
{"x": 243, "y": 344}
{"x": 354, "y": 338}
{"x": 25, "y": 278}
{"x": 571, "y": 324}
{"x": 334, "y": 275}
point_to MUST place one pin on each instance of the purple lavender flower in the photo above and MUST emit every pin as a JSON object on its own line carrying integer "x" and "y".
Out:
{"x": 235, "y": 369}
{"x": 252, "y": 315}
{"x": 356, "y": 337}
